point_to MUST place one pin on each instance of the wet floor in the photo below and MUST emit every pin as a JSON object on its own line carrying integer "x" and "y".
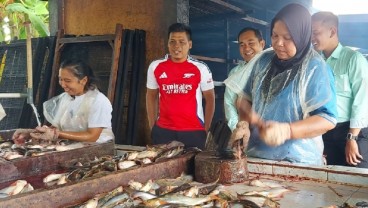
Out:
{"x": 307, "y": 193}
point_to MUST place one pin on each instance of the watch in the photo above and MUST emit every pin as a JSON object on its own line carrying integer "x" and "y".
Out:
{"x": 350, "y": 136}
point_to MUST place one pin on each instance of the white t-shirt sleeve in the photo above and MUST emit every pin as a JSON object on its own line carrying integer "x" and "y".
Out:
{"x": 100, "y": 113}
{"x": 151, "y": 79}
{"x": 206, "y": 77}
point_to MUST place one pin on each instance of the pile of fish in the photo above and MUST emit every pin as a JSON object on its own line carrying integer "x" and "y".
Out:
{"x": 79, "y": 169}
{"x": 11, "y": 151}
{"x": 184, "y": 192}
{"x": 17, "y": 187}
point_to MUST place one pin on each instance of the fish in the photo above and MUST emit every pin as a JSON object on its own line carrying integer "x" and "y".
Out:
{"x": 146, "y": 161}
{"x": 179, "y": 199}
{"x": 192, "y": 192}
{"x": 171, "y": 190}
{"x": 27, "y": 188}
{"x": 148, "y": 186}
{"x": 62, "y": 180}
{"x": 260, "y": 200}
{"x": 105, "y": 158}
{"x": 116, "y": 200}
{"x": 85, "y": 173}
{"x": 169, "y": 153}
{"x": 226, "y": 195}
{"x": 53, "y": 177}
{"x": 207, "y": 188}
{"x": 274, "y": 193}
{"x": 14, "y": 188}
{"x": 361, "y": 204}
{"x": 51, "y": 147}
{"x": 36, "y": 146}
{"x": 177, "y": 206}
{"x": 92, "y": 203}
{"x": 38, "y": 154}
{"x": 211, "y": 204}
{"x": 277, "y": 192}
{"x": 135, "y": 185}
{"x": 78, "y": 164}
{"x": 243, "y": 204}
{"x": 214, "y": 192}
{"x": 13, "y": 155}
{"x": 176, "y": 181}
{"x": 75, "y": 175}
{"x": 61, "y": 148}
{"x": 172, "y": 144}
{"x": 103, "y": 199}
{"x": 5, "y": 145}
{"x": 147, "y": 154}
{"x": 126, "y": 164}
{"x": 268, "y": 184}
{"x": 2, "y": 195}
{"x": 109, "y": 166}
{"x": 132, "y": 156}
{"x": 143, "y": 195}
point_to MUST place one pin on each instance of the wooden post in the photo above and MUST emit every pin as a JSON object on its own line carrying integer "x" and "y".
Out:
{"x": 115, "y": 62}
{"x": 56, "y": 63}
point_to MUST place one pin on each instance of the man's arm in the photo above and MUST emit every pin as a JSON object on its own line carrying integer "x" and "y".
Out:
{"x": 231, "y": 113}
{"x": 209, "y": 96}
{"x": 358, "y": 76}
{"x": 151, "y": 106}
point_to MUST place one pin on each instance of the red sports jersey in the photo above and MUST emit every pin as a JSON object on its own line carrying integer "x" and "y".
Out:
{"x": 180, "y": 89}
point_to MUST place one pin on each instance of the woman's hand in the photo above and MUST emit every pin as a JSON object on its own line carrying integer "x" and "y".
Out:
{"x": 274, "y": 133}
{"x": 240, "y": 132}
{"x": 45, "y": 133}
{"x": 21, "y": 135}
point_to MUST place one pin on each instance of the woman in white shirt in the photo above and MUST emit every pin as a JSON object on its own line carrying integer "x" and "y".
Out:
{"x": 81, "y": 113}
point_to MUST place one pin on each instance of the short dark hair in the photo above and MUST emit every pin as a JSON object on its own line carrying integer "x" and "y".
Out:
{"x": 180, "y": 27}
{"x": 81, "y": 69}
{"x": 257, "y": 32}
{"x": 326, "y": 17}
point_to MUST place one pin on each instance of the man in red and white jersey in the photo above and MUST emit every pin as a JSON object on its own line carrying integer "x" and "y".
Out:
{"x": 176, "y": 85}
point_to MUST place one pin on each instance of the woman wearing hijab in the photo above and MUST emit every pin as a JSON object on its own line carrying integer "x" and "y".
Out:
{"x": 289, "y": 95}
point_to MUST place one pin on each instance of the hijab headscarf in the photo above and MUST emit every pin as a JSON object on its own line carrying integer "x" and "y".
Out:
{"x": 298, "y": 21}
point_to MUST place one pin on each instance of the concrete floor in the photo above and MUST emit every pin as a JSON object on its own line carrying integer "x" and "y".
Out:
{"x": 322, "y": 186}
{"x": 307, "y": 193}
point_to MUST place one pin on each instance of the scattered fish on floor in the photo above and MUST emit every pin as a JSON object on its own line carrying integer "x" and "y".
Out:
{"x": 17, "y": 187}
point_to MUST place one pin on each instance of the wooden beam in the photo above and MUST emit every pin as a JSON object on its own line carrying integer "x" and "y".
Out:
{"x": 115, "y": 62}
{"x": 208, "y": 38}
{"x": 207, "y": 30}
{"x": 216, "y": 18}
{"x": 55, "y": 64}
{"x": 84, "y": 39}
{"x": 255, "y": 20}
{"x": 205, "y": 58}
{"x": 227, "y": 5}
{"x": 182, "y": 11}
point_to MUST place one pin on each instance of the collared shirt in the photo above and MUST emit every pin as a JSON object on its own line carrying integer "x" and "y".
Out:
{"x": 350, "y": 70}
{"x": 230, "y": 97}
